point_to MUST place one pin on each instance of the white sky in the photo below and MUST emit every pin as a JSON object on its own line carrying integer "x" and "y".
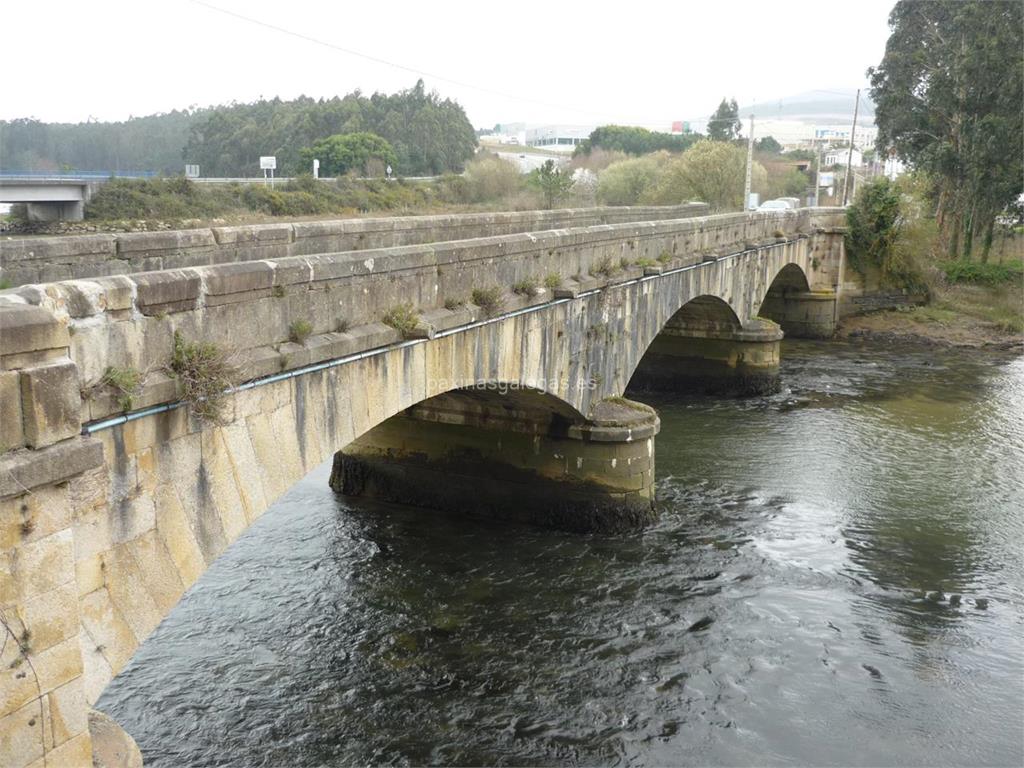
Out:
{"x": 640, "y": 62}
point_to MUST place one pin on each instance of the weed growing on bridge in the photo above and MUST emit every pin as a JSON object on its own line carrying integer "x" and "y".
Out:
{"x": 645, "y": 262}
{"x": 342, "y": 325}
{"x": 452, "y": 304}
{"x": 277, "y": 291}
{"x": 605, "y": 268}
{"x": 402, "y": 318}
{"x": 552, "y": 281}
{"x": 204, "y": 372}
{"x": 490, "y": 300}
{"x": 529, "y": 286}
{"x": 125, "y": 384}
{"x": 299, "y": 331}
{"x": 665, "y": 257}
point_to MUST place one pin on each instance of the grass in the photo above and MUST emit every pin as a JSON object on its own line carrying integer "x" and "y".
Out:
{"x": 299, "y": 331}
{"x": 529, "y": 286}
{"x": 125, "y": 383}
{"x": 664, "y": 257}
{"x": 645, "y": 262}
{"x": 403, "y": 318}
{"x": 490, "y": 300}
{"x": 204, "y": 372}
{"x": 553, "y": 280}
{"x": 452, "y": 304}
{"x": 606, "y": 268}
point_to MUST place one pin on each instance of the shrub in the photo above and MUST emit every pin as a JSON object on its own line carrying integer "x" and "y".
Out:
{"x": 552, "y": 281}
{"x": 627, "y": 182}
{"x": 204, "y": 372}
{"x": 402, "y": 318}
{"x": 452, "y": 304}
{"x": 299, "y": 331}
{"x": 983, "y": 274}
{"x": 490, "y": 299}
{"x": 489, "y": 177}
{"x": 606, "y": 267}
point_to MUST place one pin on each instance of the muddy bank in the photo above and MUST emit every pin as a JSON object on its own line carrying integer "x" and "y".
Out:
{"x": 923, "y": 325}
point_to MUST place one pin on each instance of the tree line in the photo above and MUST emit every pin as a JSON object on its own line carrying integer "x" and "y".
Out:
{"x": 426, "y": 134}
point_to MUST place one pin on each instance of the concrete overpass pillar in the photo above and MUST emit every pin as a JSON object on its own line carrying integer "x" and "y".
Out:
{"x": 512, "y": 463}
{"x": 58, "y": 210}
{"x": 709, "y": 357}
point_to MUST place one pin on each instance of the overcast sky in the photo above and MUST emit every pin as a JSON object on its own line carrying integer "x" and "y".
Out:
{"x": 642, "y": 63}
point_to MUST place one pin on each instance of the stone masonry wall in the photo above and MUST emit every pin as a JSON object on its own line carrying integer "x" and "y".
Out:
{"x": 70, "y": 257}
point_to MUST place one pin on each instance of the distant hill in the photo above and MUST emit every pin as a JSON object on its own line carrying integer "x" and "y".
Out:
{"x": 814, "y": 106}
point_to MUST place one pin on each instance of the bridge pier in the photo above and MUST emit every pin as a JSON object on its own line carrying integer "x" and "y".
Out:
{"x": 58, "y": 210}
{"x": 511, "y": 462}
{"x": 712, "y": 357}
{"x": 802, "y": 314}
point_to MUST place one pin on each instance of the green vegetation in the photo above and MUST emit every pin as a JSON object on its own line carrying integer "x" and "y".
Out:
{"x": 975, "y": 273}
{"x": 553, "y": 280}
{"x": 605, "y": 268}
{"x": 633, "y": 141}
{"x": 403, "y": 318}
{"x": 490, "y": 300}
{"x": 452, "y": 304}
{"x": 528, "y": 286}
{"x": 872, "y": 228}
{"x": 204, "y": 372}
{"x": 725, "y": 124}
{"x": 552, "y": 183}
{"x": 627, "y": 182}
{"x": 768, "y": 145}
{"x": 124, "y": 383}
{"x": 299, "y": 331}
{"x": 429, "y": 135}
{"x": 361, "y": 152}
{"x": 949, "y": 104}
{"x": 175, "y": 199}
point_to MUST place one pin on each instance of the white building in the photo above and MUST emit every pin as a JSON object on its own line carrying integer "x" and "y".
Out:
{"x": 560, "y": 138}
{"x": 840, "y": 156}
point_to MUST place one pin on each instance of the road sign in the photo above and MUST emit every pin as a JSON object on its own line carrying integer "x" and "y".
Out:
{"x": 191, "y": 171}
{"x": 826, "y": 179}
{"x": 268, "y": 163}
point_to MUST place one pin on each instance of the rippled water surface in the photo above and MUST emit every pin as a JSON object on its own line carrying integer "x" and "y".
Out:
{"x": 837, "y": 579}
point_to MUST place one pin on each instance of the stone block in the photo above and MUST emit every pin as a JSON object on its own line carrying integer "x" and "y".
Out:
{"x": 175, "y": 290}
{"x": 34, "y": 516}
{"x": 112, "y": 746}
{"x": 244, "y": 277}
{"x": 44, "y": 565}
{"x": 21, "y": 736}
{"x": 51, "y": 618}
{"x": 25, "y": 328}
{"x": 106, "y": 631}
{"x": 12, "y": 433}
{"x": 74, "y": 753}
{"x": 66, "y": 714}
{"x": 58, "y": 665}
{"x": 51, "y": 403}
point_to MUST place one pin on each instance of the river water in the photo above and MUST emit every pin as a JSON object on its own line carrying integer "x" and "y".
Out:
{"x": 837, "y": 578}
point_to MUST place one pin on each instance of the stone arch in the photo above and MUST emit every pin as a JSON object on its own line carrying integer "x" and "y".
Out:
{"x": 800, "y": 311}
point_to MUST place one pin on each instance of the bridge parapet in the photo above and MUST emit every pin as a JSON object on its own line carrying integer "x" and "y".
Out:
{"x": 71, "y": 257}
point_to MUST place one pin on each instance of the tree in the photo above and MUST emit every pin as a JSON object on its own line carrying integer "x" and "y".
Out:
{"x": 768, "y": 145}
{"x": 346, "y": 152}
{"x": 948, "y": 95}
{"x": 627, "y": 182}
{"x": 725, "y": 124}
{"x": 633, "y": 140}
{"x": 712, "y": 172}
{"x": 552, "y": 182}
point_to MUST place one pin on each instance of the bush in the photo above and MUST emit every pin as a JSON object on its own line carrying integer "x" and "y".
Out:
{"x": 489, "y": 178}
{"x": 877, "y": 236}
{"x": 975, "y": 273}
{"x": 204, "y": 372}
{"x": 529, "y": 286}
{"x": 124, "y": 383}
{"x": 629, "y": 181}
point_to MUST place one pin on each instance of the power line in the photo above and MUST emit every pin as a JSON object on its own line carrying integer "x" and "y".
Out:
{"x": 385, "y": 62}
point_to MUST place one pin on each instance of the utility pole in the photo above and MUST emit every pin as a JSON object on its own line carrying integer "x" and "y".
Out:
{"x": 849, "y": 157}
{"x": 750, "y": 166}
{"x": 817, "y": 173}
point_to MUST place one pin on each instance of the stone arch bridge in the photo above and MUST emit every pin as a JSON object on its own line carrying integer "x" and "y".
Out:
{"x": 113, "y": 502}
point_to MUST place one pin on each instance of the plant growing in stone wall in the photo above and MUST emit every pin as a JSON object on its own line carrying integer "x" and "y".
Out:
{"x": 451, "y": 304}
{"x": 529, "y": 286}
{"x": 299, "y": 331}
{"x": 552, "y": 281}
{"x": 204, "y": 371}
{"x": 402, "y": 318}
{"x": 490, "y": 300}
{"x": 123, "y": 383}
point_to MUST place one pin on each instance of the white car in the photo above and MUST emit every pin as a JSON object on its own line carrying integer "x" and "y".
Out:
{"x": 774, "y": 205}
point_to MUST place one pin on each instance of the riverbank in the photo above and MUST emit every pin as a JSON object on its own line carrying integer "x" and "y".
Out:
{"x": 958, "y": 316}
